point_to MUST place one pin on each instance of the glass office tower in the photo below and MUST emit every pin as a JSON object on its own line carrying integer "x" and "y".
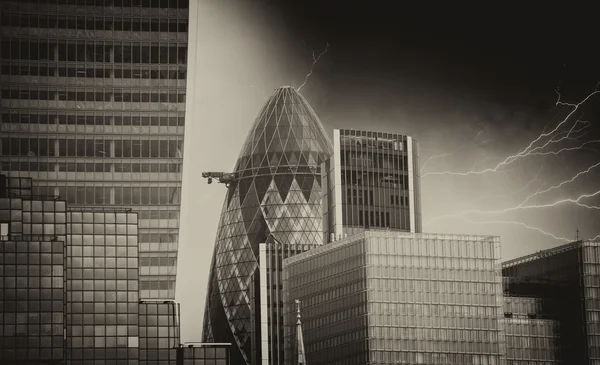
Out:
{"x": 92, "y": 107}
{"x": 372, "y": 180}
{"x": 566, "y": 279}
{"x": 383, "y": 297}
{"x": 277, "y": 191}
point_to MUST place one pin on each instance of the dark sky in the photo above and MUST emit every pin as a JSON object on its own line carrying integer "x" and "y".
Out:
{"x": 511, "y": 54}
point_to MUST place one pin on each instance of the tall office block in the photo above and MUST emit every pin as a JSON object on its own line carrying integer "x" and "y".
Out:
{"x": 92, "y": 99}
{"x": 276, "y": 190}
{"x": 372, "y": 180}
{"x": 531, "y": 335}
{"x": 383, "y": 297}
{"x": 567, "y": 281}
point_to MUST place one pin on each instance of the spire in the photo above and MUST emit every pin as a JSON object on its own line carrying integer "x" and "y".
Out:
{"x": 299, "y": 337}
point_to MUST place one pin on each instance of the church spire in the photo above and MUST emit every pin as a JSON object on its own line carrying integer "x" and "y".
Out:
{"x": 299, "y": 337}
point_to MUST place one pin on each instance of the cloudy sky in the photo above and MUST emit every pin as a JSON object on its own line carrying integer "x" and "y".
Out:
{"x": 473, "y": 86}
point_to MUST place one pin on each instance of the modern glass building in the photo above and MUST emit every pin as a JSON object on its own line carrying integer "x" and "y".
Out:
{"x": 371, "y": 181}
{"x": 531, "y": 336}
{"x": 566, "y": 280}
{"x": 92, "y": 99}
{"x": 276, "y": 191}
{"x": 102, "y": 276}
{"x": 382, "y": 297}
{"x": 32, "y": 267}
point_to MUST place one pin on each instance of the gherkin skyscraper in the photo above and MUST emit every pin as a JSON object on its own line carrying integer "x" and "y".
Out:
{"x": 276, "y": 193}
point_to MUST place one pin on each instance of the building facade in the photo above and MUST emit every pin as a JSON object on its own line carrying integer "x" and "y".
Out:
{"x": 277, "y": 191}
{"x": 93, "y": 101}
{"x": 159, "y": 332}
{"x": 102, "y": 292}
{"x": 531, "y": 336}
{"x": 371, "y": 181}
{"x": 32, "y": 257}
{"x": 566, "y": 280}
{"x": 205, "y": 354}
{"x": 270, "y": 331}
{"x": 383, "y": 297}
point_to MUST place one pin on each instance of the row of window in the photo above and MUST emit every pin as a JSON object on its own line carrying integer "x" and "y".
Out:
{"x": 102, "y": 148}
{"x": 106, "y": 72}
{"x": 375, "y": 179}
{"x": 162, "y": 4}
{"x": 123, "y": 119}
{"x": 165, "y": 167}
{"x": 81, "y": 95}
{"x": 157, "y": 285}
{"x": 121, "y": 195}
{"x": 96, "y": 51}
{"x": 94, "y": 23}
{"x": 158, "y": 261}
{"x": 355, "y": 197}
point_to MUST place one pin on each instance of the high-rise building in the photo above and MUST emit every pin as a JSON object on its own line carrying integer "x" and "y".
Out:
{"x": 275, "y": 190}
{"x": 92, "y": 107}
{"x": 372, "y": 180}
{"x": 566, "y": 281}
{"x": 382, "y": 297}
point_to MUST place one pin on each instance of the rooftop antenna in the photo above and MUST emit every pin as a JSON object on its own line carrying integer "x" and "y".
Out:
{"x": 577, "y": 234}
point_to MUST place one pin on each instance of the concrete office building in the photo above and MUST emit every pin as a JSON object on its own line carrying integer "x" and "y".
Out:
{"x": 382, "y": 297}
{"x": 372, "y": 180}
{"x": 92, "y": 106}
{"x": 566, "y": 282}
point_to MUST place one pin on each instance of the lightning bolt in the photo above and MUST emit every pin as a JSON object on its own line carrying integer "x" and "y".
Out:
{"x": 546, "y": 233}
{"x": 523, "y": 205}
{"x": 440, "y": 155}
{"x": 576, "y": 201}
{"x": 521, "y": 189}
{"x": 527, "y": 151}
{"x": 595, "y": 238}
{"x": 315, "y": 59}
{"x": 565, "y": 149}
